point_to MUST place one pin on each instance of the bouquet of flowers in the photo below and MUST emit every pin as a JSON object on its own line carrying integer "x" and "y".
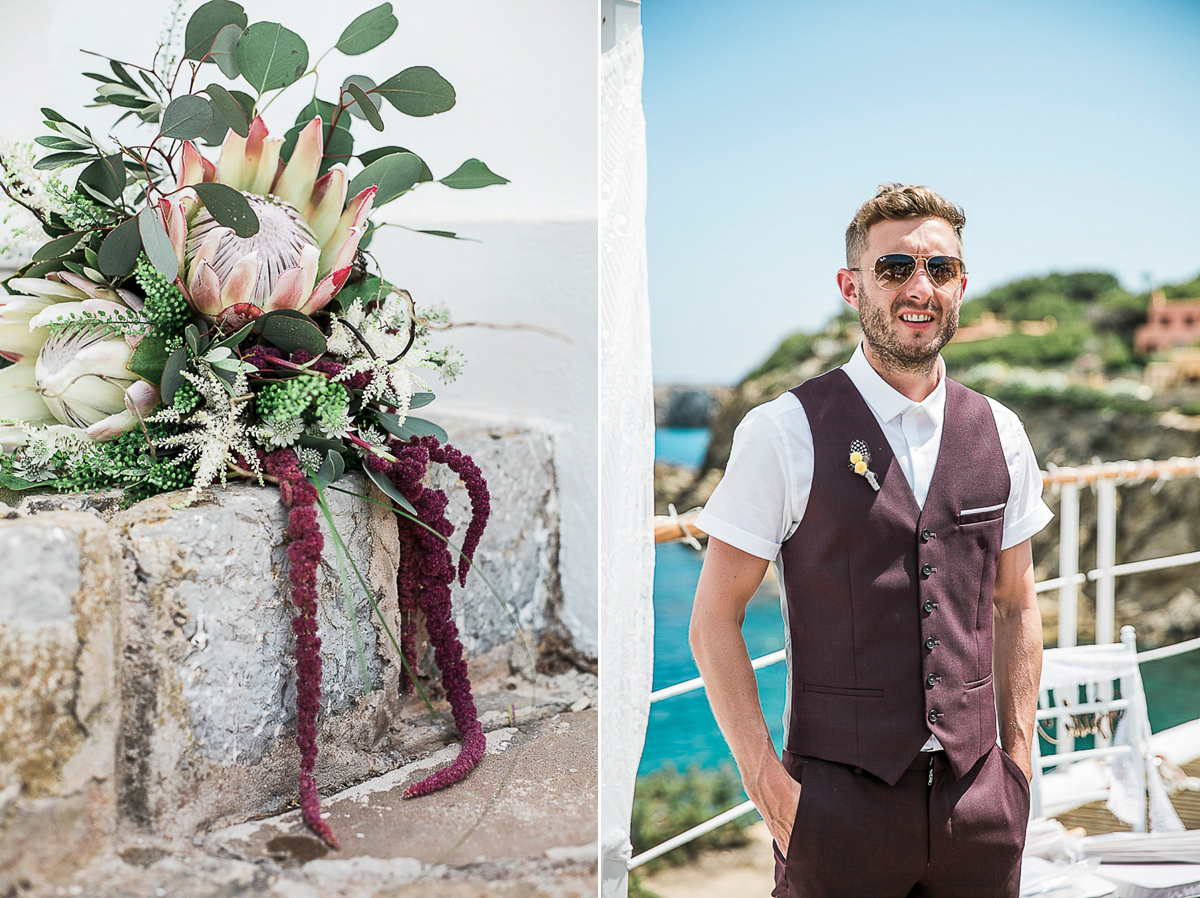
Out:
{"x": 189, "y": 320}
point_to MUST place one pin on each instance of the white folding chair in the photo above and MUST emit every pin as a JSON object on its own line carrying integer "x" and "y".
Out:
{"x": 1097, "y": 690}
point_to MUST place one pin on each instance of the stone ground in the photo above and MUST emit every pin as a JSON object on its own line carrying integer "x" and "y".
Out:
{"x": 749, "y": 870}
{"x": 522, "y": 825}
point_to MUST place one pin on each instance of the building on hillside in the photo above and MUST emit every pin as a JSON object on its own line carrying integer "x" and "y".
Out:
{"x": 1168, "y": 324}
{"x": 990, "y": 325}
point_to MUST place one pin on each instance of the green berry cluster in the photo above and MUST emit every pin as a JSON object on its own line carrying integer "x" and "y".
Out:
{"x": 187, "y": 398}
{"x": 165, "y": 306}
{"x": 127, "y": 463}
{"x": 297, "y": 396}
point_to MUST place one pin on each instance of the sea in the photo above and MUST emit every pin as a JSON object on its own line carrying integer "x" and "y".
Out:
{"x": 682, "y": 731}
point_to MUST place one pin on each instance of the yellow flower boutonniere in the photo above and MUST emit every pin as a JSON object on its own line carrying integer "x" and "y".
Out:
{"x": 860, "y": 458}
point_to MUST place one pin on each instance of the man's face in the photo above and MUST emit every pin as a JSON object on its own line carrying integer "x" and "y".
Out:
{"x": 905, "y": 328}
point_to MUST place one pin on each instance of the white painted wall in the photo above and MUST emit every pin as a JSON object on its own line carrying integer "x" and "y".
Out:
{"x": 525, "y": 73}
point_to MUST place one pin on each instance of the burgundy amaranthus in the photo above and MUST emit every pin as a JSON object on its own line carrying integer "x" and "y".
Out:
{"x": 304, "y": 552}
{"x": 429, "y": 581}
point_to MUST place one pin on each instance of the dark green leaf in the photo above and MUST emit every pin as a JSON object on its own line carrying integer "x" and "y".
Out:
{"x": 290, "y": 330}
{"x": 61, "y": 160}
{"x": 224, "y": 50}
{"x": 393, "y": 175}
{"x": 149, "y": 359}
{"x": 331, "y": 469}
{"x": 229, "y": 109}
{"x": 89, "y": 191}
{"x": 123, "y": 73}
{"x": 191, "y": 334}
{"x": 326, "y": 111}
{"x": 389, "y": 489}
{"x": 321, "y": 444}
{"x": 412, "y": 427}
{"x": 364, "y": 105}
{"x": 172, "y": 375}
{"x": 106, "y": 175}
{"x": 38, "y": 269}
{"x": 15, "y": 483}
{"x": 120, "y": 250}
{"x": 103, "y": 79}
{"x": 228, "y": 207}
{"x": 187, "y": 117}
{"x": 50, "y": 114}
{"x": 368, "y": 31}
{"x": 157, "y": 243}
{"x": 418, "y": 91}
{"x": 270, "y": 56}
{"x": 60, "y": 143}
{"x": 472, "y": 174}
{"x": 420, "y": 400}
{"x": 206, "y": 23}
{"x": 450, "y": 235}
{"x": 215, "y": 135}
{"x": 127, "y": 102}
{"x": 371, "y": 155}
{"x": 236, "y": 337}
{"x": 58, "y": 247}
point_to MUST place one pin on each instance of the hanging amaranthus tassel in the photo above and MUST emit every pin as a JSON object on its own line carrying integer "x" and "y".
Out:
{"x": 304, "y": 552}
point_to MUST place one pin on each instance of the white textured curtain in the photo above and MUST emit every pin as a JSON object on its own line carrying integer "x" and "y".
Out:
{"x": 626, "y": 454}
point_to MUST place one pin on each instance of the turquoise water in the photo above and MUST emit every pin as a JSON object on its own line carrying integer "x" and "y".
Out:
{"x": 680, "y": 445}
{"x": 682, "y": 731}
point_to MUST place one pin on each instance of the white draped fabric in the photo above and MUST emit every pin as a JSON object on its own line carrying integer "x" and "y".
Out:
{"x": 626, "y": 454}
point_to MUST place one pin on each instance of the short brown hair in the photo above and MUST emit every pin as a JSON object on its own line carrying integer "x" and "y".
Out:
{"x": 896, "y": 202}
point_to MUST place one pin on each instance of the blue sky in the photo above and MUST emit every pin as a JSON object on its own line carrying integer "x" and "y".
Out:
{"x": 1068, "y": 131}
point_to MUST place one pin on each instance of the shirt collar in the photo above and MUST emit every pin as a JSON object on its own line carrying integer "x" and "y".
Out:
{"x": 884, "y": 399}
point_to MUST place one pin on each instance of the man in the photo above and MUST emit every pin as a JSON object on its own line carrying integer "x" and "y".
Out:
{"x": 897, "y": 507}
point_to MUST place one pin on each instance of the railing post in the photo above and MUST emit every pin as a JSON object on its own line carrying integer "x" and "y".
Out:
{"x": 1068, "y": 563}
{"x": 1106, "y": 558}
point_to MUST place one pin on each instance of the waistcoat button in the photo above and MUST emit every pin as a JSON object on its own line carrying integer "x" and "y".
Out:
{"x": 930, "y": 642}
{"x": 927, "y": 569}
{"x": 926, "y": 535}
{"x": 933, "y": 716}
{"x": 929, "y": 605}
{"x": 931, "y": 681}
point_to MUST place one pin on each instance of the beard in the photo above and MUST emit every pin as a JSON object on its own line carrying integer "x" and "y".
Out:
{"x": 893, "y": 351}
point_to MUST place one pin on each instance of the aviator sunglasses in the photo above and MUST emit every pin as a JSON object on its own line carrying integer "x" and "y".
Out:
{"x": 893, "y": 270}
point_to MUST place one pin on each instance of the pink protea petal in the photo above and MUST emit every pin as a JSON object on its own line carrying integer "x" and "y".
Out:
{"x": 176, "y": 225}
{"x": 339, "y": 255}
{"x": 46, "y": 287}
{"x": 232, "y": 165}
{"x": 267, "y": 168}
{"x": 205, "y": 289}
{"x": 237, "y": 316}
{"x": 289, "y": 291}
{"x": 196, "y": 169}
{"x": 325, "y": 206}
{"x": 295, "y": 184}
{"x": 207, "y": 251}
{"x": 326, "y": 290}
{"x": 239, "y": 284}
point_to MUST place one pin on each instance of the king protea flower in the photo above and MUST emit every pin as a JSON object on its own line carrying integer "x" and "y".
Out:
{"x": 75, "y": 376}
{"x": 307, "y": 236}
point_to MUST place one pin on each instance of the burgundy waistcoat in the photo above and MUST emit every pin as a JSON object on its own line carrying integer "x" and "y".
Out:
{"x": 889, "y": 605}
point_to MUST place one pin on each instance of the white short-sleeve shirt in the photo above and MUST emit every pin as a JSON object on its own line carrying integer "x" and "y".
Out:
{"x": 761, "y": 499}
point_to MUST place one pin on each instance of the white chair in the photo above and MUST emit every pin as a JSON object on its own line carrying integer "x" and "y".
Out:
{"x": 1097, "y": 689}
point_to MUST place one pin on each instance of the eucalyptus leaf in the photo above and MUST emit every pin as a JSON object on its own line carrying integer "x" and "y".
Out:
{"x": 290, "y": 330}
{"x": 186, "y": 118}
{"x": 120, "y": 250}
{"x": 420, "y": 400}
{"x": 228, "y": 207}
{"x": 58, "y": 247}
{"x": 229, "y": 109}
{"x": 88, "y": 190}
{"x": 107, "y": 175}
{"x": 149, "y": 359}
{"x": 206, "y": 23}
{"x": 191, "y": 334}
{"x": 237, "y": 337}
{"x": 216, "y": 133}
{"x": 17, "y": 484}
{"x": 332, "y": 468}
{"x": 393, "y": 175}
{"x": 470, "y": 175}
{"x": 54, "y": 161}
{"x": 270, "y": 56}
{"x": 389, "y": 489}
{"x": 60, "y": 143}
{"x": 365, "y": 105}
{"x": 157, "y": 243}
{"x": 418, "y": 91}
{"x": 368, "y": 31}
{"x": 326, "y": 111}
{"x": 224, "y": 50}
{"x": 172, "y": 375}
{"x": 412, "y": 427}
{"x": 321, "y": 444}
{"x": 379, "y": 152}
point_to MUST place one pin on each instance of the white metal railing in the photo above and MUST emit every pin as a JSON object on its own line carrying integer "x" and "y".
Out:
{"x": 1105, "y": 478}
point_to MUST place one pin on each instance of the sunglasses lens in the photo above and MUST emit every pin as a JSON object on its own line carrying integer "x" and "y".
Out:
{"x": 892, "y": 270}
{"x": 943, "y": 269}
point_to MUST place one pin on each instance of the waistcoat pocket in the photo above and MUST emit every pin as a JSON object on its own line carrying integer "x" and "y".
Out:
{"x": 843, "y": 690}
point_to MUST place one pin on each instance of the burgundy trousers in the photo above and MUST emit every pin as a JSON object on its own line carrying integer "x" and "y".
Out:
{"x": 857, "y": 837}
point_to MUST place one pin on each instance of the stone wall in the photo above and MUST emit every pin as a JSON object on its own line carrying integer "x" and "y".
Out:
{"x": 146, "y": 681}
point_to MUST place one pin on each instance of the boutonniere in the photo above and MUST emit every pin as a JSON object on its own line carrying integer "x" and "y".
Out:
{"x": 860, "y": 458}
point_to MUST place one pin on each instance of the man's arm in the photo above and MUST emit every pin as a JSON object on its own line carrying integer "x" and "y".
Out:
{"x": 1017, "y": 653}
{"x": 727, "y": 583}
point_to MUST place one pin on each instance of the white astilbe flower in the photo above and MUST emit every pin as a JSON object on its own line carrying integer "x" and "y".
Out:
{"x": 218, "y": 434}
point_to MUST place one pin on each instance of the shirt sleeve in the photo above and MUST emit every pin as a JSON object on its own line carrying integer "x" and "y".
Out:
{"x": 754, "y": 506}
{"x": 1026, "y": 513}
